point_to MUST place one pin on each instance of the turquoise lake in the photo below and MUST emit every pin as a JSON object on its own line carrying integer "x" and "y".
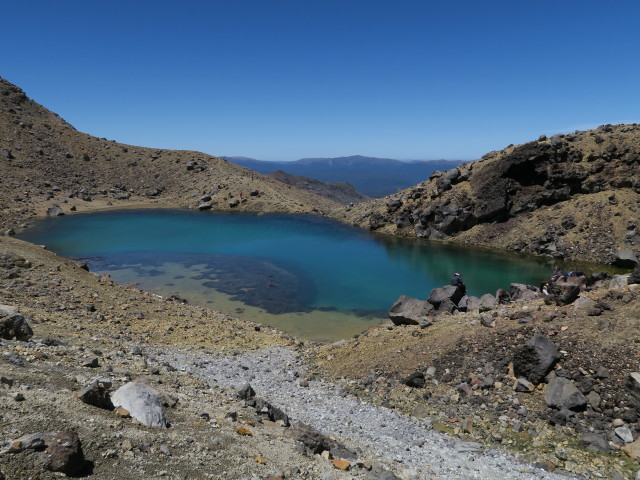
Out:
{"x": 310, "y": 276}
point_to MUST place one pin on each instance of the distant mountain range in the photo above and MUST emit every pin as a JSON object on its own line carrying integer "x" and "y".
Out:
{"x": 375, "y": 177}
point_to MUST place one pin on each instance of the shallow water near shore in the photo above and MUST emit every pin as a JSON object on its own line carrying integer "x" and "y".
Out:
{"x": 313, "y": 277}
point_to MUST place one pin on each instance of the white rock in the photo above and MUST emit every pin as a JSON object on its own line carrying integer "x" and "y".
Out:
{"x": 624, "y": 434}
{"x": 143, "y": 403}
{"x": 618, "y": 281}
{"x": 8, "y": 310}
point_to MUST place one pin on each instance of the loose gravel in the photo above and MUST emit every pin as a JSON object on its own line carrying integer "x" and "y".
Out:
{"x": 405, "y": 445}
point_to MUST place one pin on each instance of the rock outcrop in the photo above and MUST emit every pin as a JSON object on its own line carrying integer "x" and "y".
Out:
{"x": 569, "y": 196}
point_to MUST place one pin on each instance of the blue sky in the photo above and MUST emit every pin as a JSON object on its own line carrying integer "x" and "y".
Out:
{"x": 286, "y": 79}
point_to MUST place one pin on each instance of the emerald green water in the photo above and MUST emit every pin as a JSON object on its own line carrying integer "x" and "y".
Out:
{"x": 310, "y": 276}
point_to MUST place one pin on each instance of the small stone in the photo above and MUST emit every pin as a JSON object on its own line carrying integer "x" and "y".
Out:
{"x": 523, "y": 385}
{"x": 91, "y": 362}
{"x": 341, "y": 464}
{"x": 19, "y": 397}
{"x": 123, "y": 412}
{"x": 96, "y": 395}
{"x": 6, "y": 381}
{"x": 624, "y": 433}
{"x": 618, "y": 422}
{"x": 594, "y": 399}
{"x": 246, "y": 392}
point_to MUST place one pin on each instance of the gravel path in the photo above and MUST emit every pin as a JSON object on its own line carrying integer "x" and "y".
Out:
{"x": 403, "y": 444}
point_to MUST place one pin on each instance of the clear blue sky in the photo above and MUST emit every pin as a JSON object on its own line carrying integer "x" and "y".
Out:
{"x": 285, "y": 79}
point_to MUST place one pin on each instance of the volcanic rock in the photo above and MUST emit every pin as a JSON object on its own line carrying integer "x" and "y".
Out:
{"x": 625, "y": 258}
{"x": 562, "y": 393}
{"x": 454, "y": 293}
{"x": 409, "y": 311}
{"x": 13, "y": 325}
{"x": 64, "y": 454}
{"x": 535, "y": 359}
{"x": 143, "y": 402}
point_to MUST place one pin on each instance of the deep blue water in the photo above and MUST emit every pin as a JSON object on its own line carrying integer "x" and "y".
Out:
{"x": 302, "y": 273}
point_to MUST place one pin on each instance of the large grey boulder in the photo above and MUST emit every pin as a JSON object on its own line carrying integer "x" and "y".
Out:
{"x": 625, "y": 258}
{"x": 447, "y": 307}
{"x": 409, "y": 311}
{"x": 520, "y": 291}
{"x": 535, "y": 359}
{"x": 618, "y": 281}
{"x": 473, "y": 303}
{"x": 143, "y": 402}
{"x": 503, "y": 297}
{"x": 488, "y": 302}
{"x": 562, "y": 393}
{"x": 13, "y": 325}
{"x": 450, "y": 292}
{"x": 562, "y": 294}
{"x": 55, "y": 211}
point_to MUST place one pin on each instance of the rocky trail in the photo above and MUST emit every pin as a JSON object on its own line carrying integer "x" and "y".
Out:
{"x": 403, "y": 444}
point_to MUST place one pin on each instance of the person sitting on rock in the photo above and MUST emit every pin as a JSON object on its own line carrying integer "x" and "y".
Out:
{"x": 557, "y": 273}
{"x": 457, "y": 282}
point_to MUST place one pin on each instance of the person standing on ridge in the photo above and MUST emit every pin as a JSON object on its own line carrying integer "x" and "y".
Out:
{"x": 457, "y": 282}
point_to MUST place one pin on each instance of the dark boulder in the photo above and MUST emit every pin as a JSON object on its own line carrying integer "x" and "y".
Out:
{"x": 315, "y": 443}
{"x": 393, "y": 205}
{"x": 13, "y": 325}
{"x": 502, "y": 297}
{"x": 562, "y": 294}
{"x": 634, "y": 277}
{"x": 454, "y": 293}
{"x": 625, "y": 258}
{"x": 410, "y": 311}
{"x": 246, "y": 392}
{"x": 64, "y": 454}
{"x": 415, "y": 380}
{"x": 96, "y": 394}
{"x": 520, "y": 291}
{"x": 563, "y": 393}
{"x": 446, "y": 307}
{"x": 376, "y": 221}
{"x": 535, "y": 359}
{"x": 273, "y": 413}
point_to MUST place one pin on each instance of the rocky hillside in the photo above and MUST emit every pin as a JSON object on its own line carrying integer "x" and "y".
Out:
{"x": 45, "y": 161}
{"x": 572, "y": 196}
{"x": 339, "y": 192}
